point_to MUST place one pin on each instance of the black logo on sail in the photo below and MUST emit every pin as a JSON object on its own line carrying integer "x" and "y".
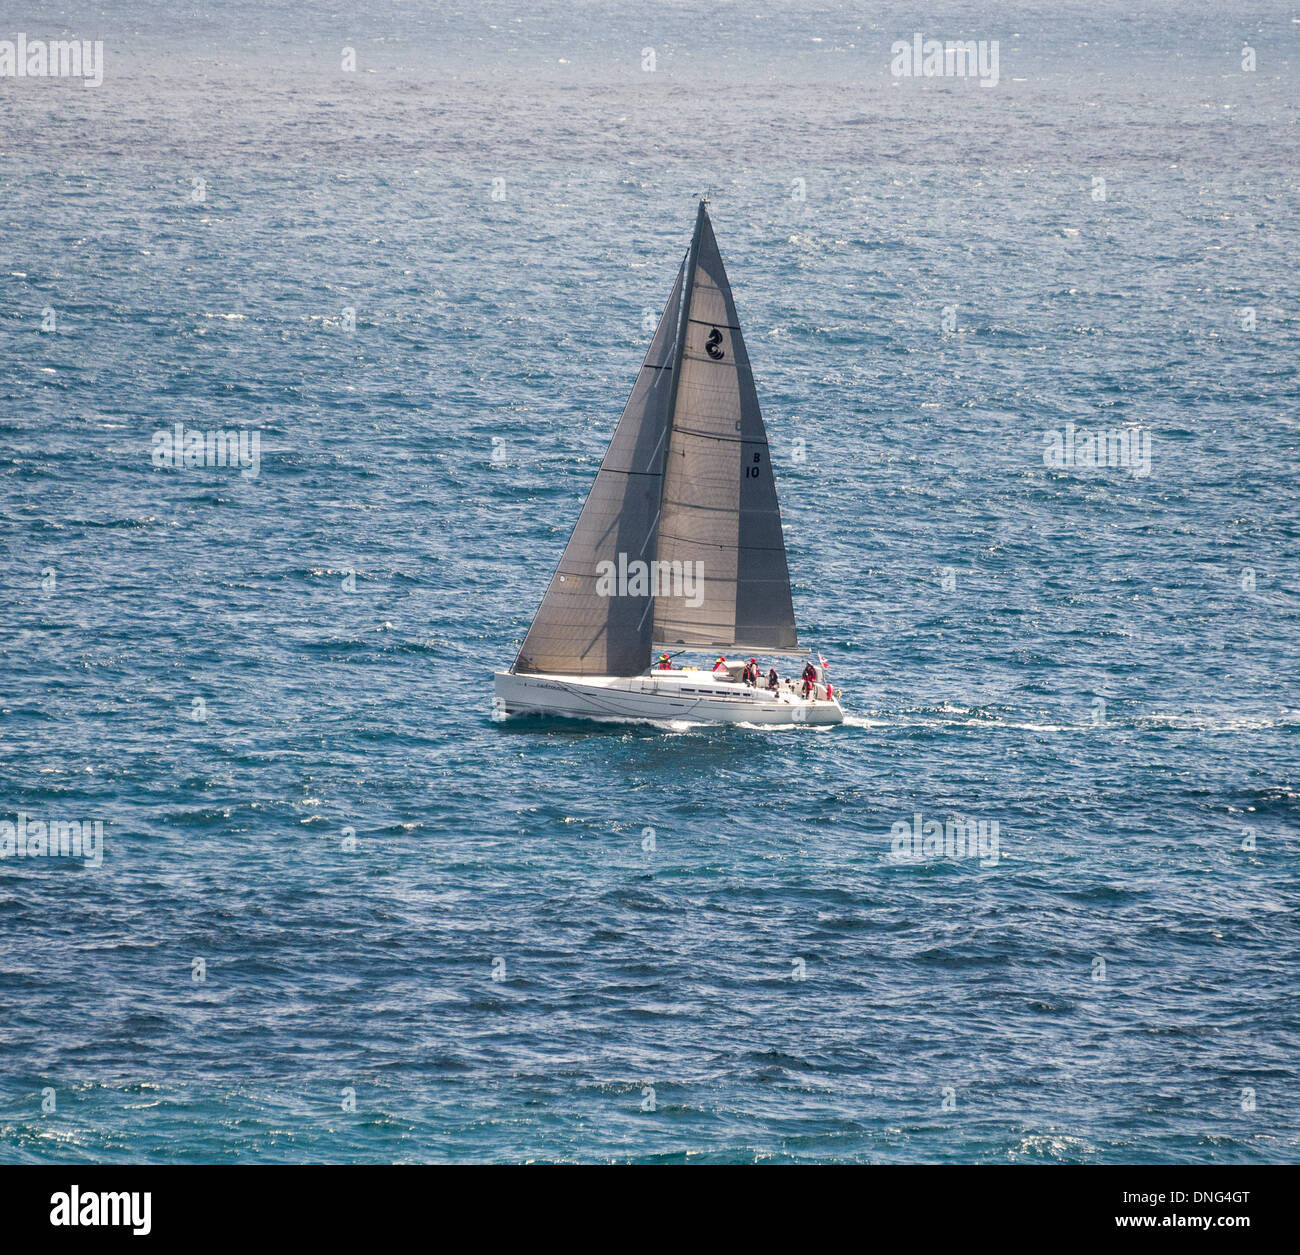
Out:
{"x": 711, "y": 345}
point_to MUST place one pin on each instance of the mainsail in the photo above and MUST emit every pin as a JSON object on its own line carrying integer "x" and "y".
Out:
{"x": 684, "y": 498}
{"x": 719, "y": 499}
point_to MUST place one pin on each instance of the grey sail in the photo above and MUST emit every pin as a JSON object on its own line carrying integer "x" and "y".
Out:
{"x": 580, "y": 629}
{"x": 719, "y": 511}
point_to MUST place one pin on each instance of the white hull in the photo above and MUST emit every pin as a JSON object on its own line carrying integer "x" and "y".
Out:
{"x": 691, "y": 696}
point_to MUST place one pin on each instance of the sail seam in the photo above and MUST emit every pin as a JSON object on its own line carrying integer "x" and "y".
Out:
{"x": 713, "y": 544}
{"x": 710, "y": 435}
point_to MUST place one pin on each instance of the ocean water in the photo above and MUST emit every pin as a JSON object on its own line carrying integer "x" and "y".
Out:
{"x": 342, "y": 913}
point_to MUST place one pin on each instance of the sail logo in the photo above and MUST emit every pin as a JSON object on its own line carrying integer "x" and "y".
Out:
{"x": 186, "y": 449}
{"x": 959, "y": 838}
{"x": 1128, "y": 448}
{"x": 59, "y": 58}
{"x": 651, "y": 579}
{"x": 712, "y": 343}
{"x": 953, "y": 58}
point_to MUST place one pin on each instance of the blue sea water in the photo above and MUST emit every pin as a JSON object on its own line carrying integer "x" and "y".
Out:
{"x": 425, "y": 934}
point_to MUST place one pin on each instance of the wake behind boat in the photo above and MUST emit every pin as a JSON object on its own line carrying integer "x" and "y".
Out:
{"x": 678, "y": 547}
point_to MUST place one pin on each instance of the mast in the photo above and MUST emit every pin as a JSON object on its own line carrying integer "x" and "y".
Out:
{"x": 679, "y": 350}
{"x": 679, "y": 346}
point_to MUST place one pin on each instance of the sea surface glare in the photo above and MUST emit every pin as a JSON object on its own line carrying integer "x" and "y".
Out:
{"x": 342, "y": 913}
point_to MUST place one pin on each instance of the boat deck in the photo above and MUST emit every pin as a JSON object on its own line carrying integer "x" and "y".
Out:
{"x": 680, "y": 694}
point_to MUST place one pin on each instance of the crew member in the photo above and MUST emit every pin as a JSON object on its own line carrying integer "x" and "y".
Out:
{"x": 809, "y": 678}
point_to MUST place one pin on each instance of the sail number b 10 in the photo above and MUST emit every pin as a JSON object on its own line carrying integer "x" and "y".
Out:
{"x": 753, "y": 471}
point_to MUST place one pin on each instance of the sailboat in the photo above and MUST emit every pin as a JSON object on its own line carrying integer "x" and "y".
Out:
{"x": 678, "y": 548}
